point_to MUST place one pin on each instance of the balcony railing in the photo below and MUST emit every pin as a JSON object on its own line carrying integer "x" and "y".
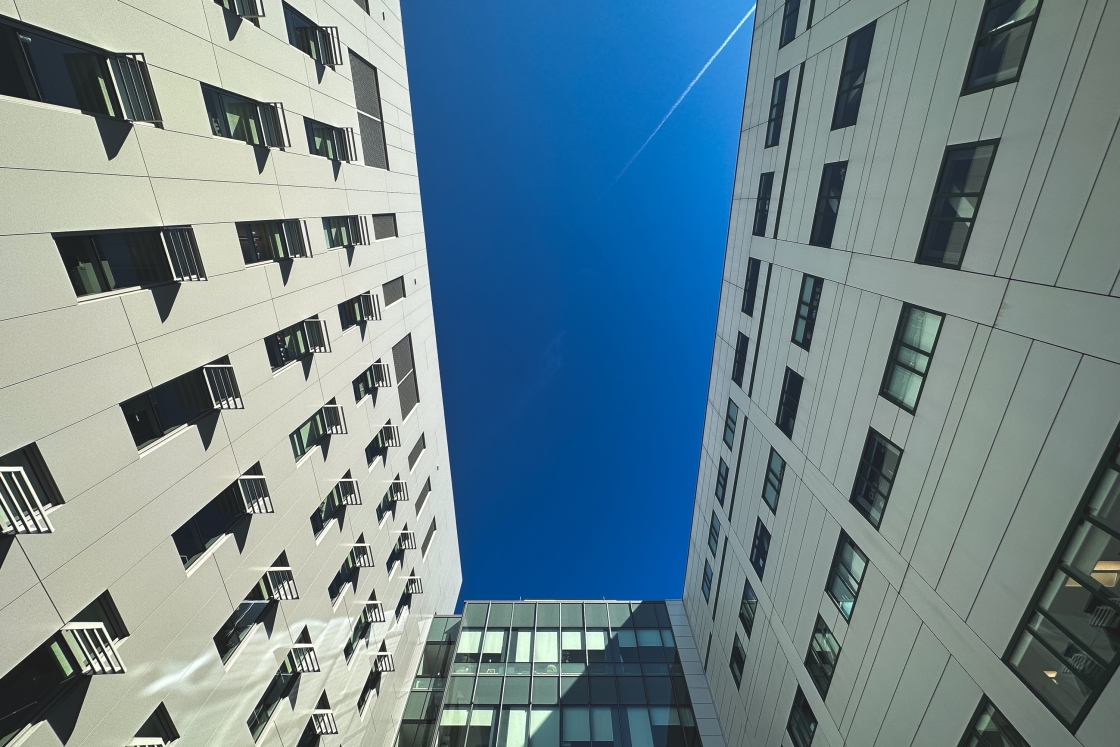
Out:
{"x": 362, "y": 555}
{"x": 303, "y": 658}
{"x": 94, "y": 647}
{"x": 383, "y": 662}
{"x": 274, "y": 124}
{"x": 348, "y": 494}
{"x": 223, "y": 387}
{"x": 333, "y": 419}
{"x": 413, "y": 585}
{"x": 316, "y": 332}
{"x": 281, "y": 583}
{"x": 138, "y": 98}
{"x": 381, "y": 375}
{"x": 182, "y": 254}
{"x": 254, "y": 494}
{"x": 21, "y": 511}
{"x": 296, "y": 238}
{"x": 322, "y": 721}
{"x": 389, "y": 435}
{"x": 375, "y": 610}
{"x": 398, "y": 491}
{"x": 406, "y": 540}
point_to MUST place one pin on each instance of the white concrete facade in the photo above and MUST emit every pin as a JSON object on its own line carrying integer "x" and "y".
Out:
{"x": 73, "y": 360}
{"x": 1020, "y": 404}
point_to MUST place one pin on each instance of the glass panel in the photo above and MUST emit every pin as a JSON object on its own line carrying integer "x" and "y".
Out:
{"x": 517, "y": 690}
{"x": 524, "y": 614}
{"x": 512, "y": 731}
{"x": 470, "y": 641}
{"x": 602, "y": 690}
{"x": 459, "y": 690}
{"x": 571, "y": 615}
{"x": 474, "y": 615}
{"x": 501, "y": 615}
{"x": 493, "y": 646}
{"x": 521, "y": 646}
{"x": 548, "y": 615}
{"x": 453, "y": 727}
{"x": 577, "y": 728}
{"x": 546, "y": 690}
{"x": 596, "y": 646}
{"x": 70, "y": 76}
{"x": 596, "y": 615}
{"x": 547, "y": 648}
{"x": 999, "y": 57}
{"x": 630, "y": 690}
{"x": 1083, "y": 613}
{"x": 573, "y": 690}
{"x": 482, "y": 727}
{"x": 1105, "y": 503}
{"x": 627, "y": 645}
{"x": 604, "y": 728}
{"x": 544, "y": 728}
{"x": 1050, "y": 676}
{"x": 620, "y": 615}
{"x": 488, "y": 691}
{"x": 641, "y": 735}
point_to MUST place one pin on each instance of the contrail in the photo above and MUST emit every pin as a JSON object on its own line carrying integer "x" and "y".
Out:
{"x": 673, "y": 108}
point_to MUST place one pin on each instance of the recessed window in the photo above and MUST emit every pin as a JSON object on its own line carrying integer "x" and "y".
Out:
{"x": 344, "y": 493}
{"x": 802, "y": 723}
{"x": 421, "y": 499}
{"x": 713, "y": 534}
{"x": 428, "y": 536}
{"x": 358, "y": 310}
{"x": 326, "y": 421}
{"x": 729, "y": 423}
{"x": 748, "y": 608}
{"x": 417, "y": 450}
{"x": 846, "y": 575}
{"x": 212, "y": 522}
{"x": 154, "y": 414}
{"x": 335, "y": 143}
{"x": 775, "y": 471}
{"x": 738, "y": 660}
{"x": 371, "y": 122}
{"x": 721, "y": 481}
{"x": 282, "y": 683}
{"x": 158, "y": 729}
{"x": 760, "y": 547}
{"x": 27, "y": 491}
{"x": 273, "y": 241}
{"x": 990, "y": 727}
{"x": 789, "y": 401}
{"x": 952, "y": 211}
{"x": 345, "y": 230}
{"x": 249, "y": 612}
{"x": 347, "y": 572}
{"x": 789, "y": 22}
{"x": 807, "y": 303}
{"x": 706, "y": 582}
{"x": 384, "y": 226}
{"x": 762, "y": 202}
{"x": 238, "y": 118}
{"x": 393, "y": 290}
{"x": 369, "y": 381}
{"x": 877, "y": 467}
{"x": 405, "y": 369}
{"x": 828, "y": 203}
{"x": 751, "y": 286}
{"x": 740, "y": 365}
{"x": 777, "y": 110}
{"x": 912, "y": 351}
{"x": 1066, "y": 647}
{"x": 296, "y": 341}
{"x": 822, "y": 656}
{"x": 852, "y": 77}
{"x": 103, "y": 262}
{"x": 1001, "y": 46}
{"x": 320, "y": 43}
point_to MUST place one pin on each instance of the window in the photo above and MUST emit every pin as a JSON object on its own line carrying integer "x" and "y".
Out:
{"x": 41, "y": 66}
{"x": 213, "y": 521}
{"x": 738, "y": 659}
{"x": 370, "y": 380}
{"x": 760, "y": 547}
{"x": 239, "y": 118}
{"x": 326, "y": 421}
{"x": 273, "y": 241}
{"x": 713, "y": 534}
{"x": 1066, "y": 646}
{"x": 789, "y": 22}
{"x": 787, "y": 404}
{"x": 393, "y": 291}
{"x": 990, "y": 727}
{"x": 389, "y": 435}
{"x": 852, "y": 77}
{"x": 328, "y": 509}
{"x": 1001, "y": 43}
{"x": 762, "y": 203}
{"x": 822, "y": 656}
{"x": 846, "y": 575}
{"x": 740, "y": 366}
{"x": 751, "y": 287}
{"x": 914, "y": 342}
{"x": 748, "y": 607}
{"x": 296, "y": 341}
{"x": 345, "y": 230}
{"x": 802, "y": 723}
{"x": 371, "y": 687}
{"x": 358, "y": 310}
{"x": 152, "y": 415}
{"x": 828, "y": 203}
{"x": 27, "y": 491}
{"x": 706, "y": 583}
{"x": 877, "y": 467}
{"x": 777, "y": 110}
{"x": 428, "y": 539}
{"x": 405, "y": 367}
{"x": 371, "y": 124}
{"x": 278, "y": 689}
{"x": 423, "y": 497}
{"x": 317, "y": 42}
{"x": 357, "y": 635}
{"x": 772, "y": 488}
{"x": 386, "y": 506}
{"x": 103, "y": 262}
{"x": 807, "y": 311}
{"x": 721, "y": 481}
{"x": 385, "y": 227}
{"x": 960, "y": 187}
{"x": 236, "y": 629}
{"x": 335, "y": 143}
{"x": 729, "y": 423}
{"x": 417, "y": 450}
{"x": 346, "y": 573}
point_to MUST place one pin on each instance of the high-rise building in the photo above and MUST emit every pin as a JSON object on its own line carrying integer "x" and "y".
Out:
{"x": 906, "y": 526}
{"x": 571, "y": 673}
{"x": 224, "y": 487}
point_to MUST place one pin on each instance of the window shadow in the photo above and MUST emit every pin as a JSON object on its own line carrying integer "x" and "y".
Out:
{"x": 164, "y": 296}
{"x": 285, "y": 269}
{"x": 207, "y": 425}
{"x": 307, "y": 362}
{"x": 63, "y": 715}
{"x": 350, "y": 251}
{"x": 261, "y": 154}
{"x": 336, "y": 166}
{"x": 6, "y": 541}
{"x": 240, "y": 532}
{"x": 113, "y": 134}
{"x": 320, "y": 71}
{"x": 233, "y": 24}
{"x": 325, "y": 445}
{"x": 268, "y": 618}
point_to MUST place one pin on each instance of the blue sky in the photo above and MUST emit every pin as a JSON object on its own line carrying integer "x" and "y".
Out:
{"x": 575, "y": 314}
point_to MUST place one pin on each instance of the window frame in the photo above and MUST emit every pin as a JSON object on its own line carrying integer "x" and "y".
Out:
{"x": 820, "y": 670}
{"x": 800, "y": 705}
{"x": 737, "y": 652}
{"x": 739, "y": 365}
{"x": 730, "y": 423}
{"x": 762, "y": 203}
{"x": 760, "y": 547}
{"x": 714, "y": 528}
{"x": 873, "y": 436}
{"x": 903, "y": 317}
{"x": 854, "y": 71}
{"x": 836, "y": 556}
{"x": 706, "y": 581}
{"x": 810, "y": 311}
{"x": 966, "y": 89}
{"x": 970, "y": 731}
{"x": 772, "y": 482}
{"x": 722, "y": 472}
{"x": 949, "y": 149}
{"x": 776, "y": 113}
{"x": 820, "y": 217}
{"x": 748, "y": 602}
{"x": 750, "y": 288}
{"x": 785, "y": 33}
{"x": 783, "y": 403}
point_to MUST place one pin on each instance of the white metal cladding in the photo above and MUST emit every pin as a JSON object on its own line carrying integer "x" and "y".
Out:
{"x": 362, "y": 556}
{"x": 406, "y": 540}
{"x": 21, "y": 511}
{"x": 323, "y": 722}
{"x": 296, "y": 238}
{"x": 182, "y": 254}
{"x": 348, "y": 494}
{"x": 381, "y": 375}
{"x": 254, "y": 494}
{"x": 94, "y": 648}
{"x": 303, "y": 658}
{"x": 138, "y": 99}
{"x": 333, "y": 419}
{"x": 383, "y": 662}
{"x": 281, "y": 584}
{"x": 374, "y": 610}
{"x": 413, "y": 585}
{"x": 316, "y": 331}
{"x": 398, "y": 491}
{"x": 389, "y": 435}
{"x": 223, "y": 387}
{"x": 274, "y": 124}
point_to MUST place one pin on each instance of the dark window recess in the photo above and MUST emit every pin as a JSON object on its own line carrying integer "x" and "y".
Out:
{"x": 738, "y": 659}
{"x": 748, "y": 608}
{"x": 721, "y": 481}
{"x": 42, "y": 66}
{"x": 828, "y": 203}
{"x": 912, "y": 352}
{"x": 846, "y": 575}
{"x": 807, "y": 305}
{"x": 27, "y": 490}
{"x": 789, "y": 22}
{"x": 102, "y": 262}
{"x": 713, "y": 534}
{"x": 371, "y": 123}
{"x": 760, "y": 547}
{"x": 729, "y": 422}
{"x": 320, "y": 43}
{"x": 428, "y": 539}
{"x": 273, "y": 241}
{"x": 282, "y": 683}
{"x": 393, "y": 290}
{"x": 822, "y": 656}
{"x": 371, "y": 687}
{"x": 331, "y": 507}
{"x": 960, "y": 187}
{"x": 345, "y": 230}
{"x": 772, "y": 488}
{"x": 877, "y": 467}
{"x": 253, "y": 609}
{"x": 156, "y": 413}
{"x": 347, "y": 573}
{"x": 740, "y": 365}
{"x": 423, "y": 497}
{"x": 777, "y": 110}
{"x": 296, "y": 341}
{"x": 335, "y": 143}
{"x": 239, "y": 118}
{"x": 404, "y": 366}
{"x": 762, "y": 203}
{"x": 753, "y": 268}
{"x": 802, "y": 723}
{"x": 372, "y": 379}
{"x": 358, "y": 310}
{"x": 1001, "y": 43}
{"x": 789, "y": 401}
{"x": 417, "y": 450}
{"x": 384, "y": 226}
{"x": 991, "y": 728}
{"x": 706, "y": 582}
{"x": 852, "y": 77}
{"x": 213, "y": 521}
{"x": 327, "y": 420}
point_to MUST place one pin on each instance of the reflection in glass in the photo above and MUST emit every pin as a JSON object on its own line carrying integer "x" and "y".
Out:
{"x": 544, "y": 728}
{"x": 470, "y": 641}
{"x": 453, "y": 727}
{"x": 513, "y": 727}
